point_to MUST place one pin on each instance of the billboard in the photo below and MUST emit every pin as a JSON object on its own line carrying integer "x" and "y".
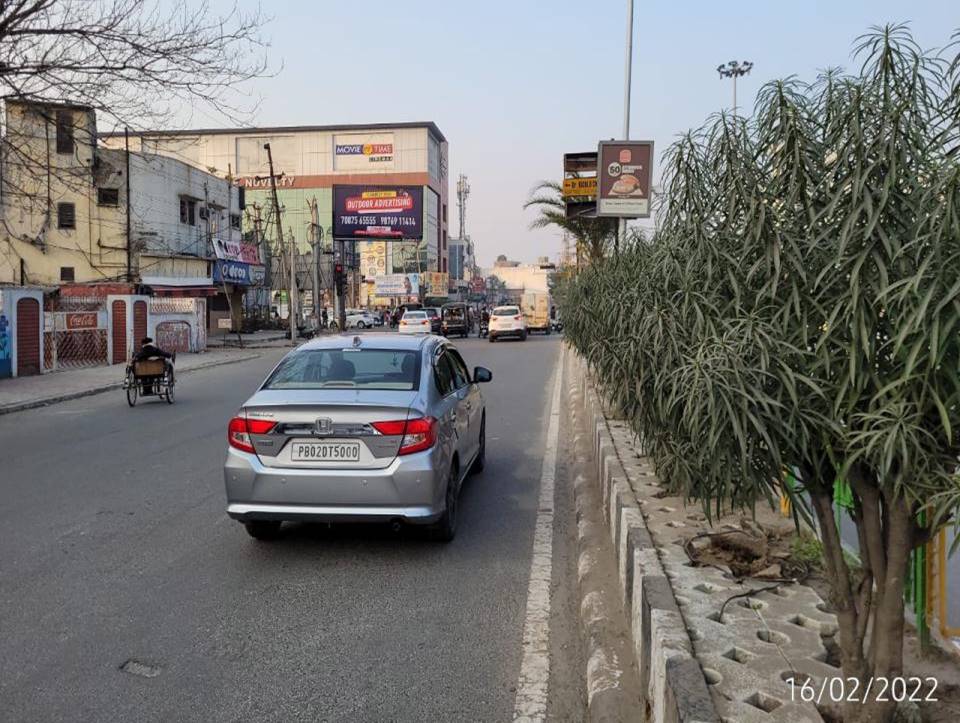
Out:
{"x": 378, "y": 211}
{"x": 625, "y": 174}
{"x": 436, "y": 284}
{"x": 396, "y": 285}
{"x": 236, "y": 251}
{"x": 363, "y": 151}
{"x": 373, "y": 259}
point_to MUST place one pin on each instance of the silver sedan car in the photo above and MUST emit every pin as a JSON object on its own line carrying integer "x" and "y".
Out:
{"x": 358, "y": 428}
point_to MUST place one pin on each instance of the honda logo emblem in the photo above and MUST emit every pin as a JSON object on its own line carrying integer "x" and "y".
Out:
{"x": 324, "y": 425}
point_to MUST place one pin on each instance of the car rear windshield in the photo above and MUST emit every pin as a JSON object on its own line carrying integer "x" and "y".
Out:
{"x": 455, "y": 313}
{"x": 347, "y": 369}
{"x": 506, "y": 311}
{"x": 415, "y": 315}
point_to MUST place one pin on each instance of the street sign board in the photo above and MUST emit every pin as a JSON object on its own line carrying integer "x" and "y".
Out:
{"x": 580, "y": 184}
{"x": 579, "y": 187}
{"x": 625, "y": 175}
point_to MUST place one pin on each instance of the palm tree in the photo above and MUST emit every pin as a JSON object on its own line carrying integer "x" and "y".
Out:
{"x": 594, "y": 236}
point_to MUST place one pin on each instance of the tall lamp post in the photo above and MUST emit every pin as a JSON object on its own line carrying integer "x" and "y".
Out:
{"x": 734, "y": 69}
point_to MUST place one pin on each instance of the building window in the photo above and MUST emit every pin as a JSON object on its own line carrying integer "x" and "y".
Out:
{"x": 66, "y": 273}
{"x": 444, "y": 239}
{"x": 108, "y": 196}
{"x": 64, "y": 131}
{"x": 66, "y": 215}
{"x": 444, "y": 213}
{"x": 235, "y": 221}
{"x": 188, "y": 211}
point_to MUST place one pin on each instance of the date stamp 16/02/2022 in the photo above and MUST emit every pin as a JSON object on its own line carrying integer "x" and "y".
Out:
{"x": 853, "y": 690}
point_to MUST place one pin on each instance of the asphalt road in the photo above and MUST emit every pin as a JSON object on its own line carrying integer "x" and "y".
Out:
{"x": 114, "y": 546}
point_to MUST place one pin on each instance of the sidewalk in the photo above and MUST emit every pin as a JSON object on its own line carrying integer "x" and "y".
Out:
{"x": 256, "y": 340}
{"x": 37, "y": 391}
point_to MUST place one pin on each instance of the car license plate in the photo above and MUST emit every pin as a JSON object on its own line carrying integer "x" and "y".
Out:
{"x": 325, "y": 452}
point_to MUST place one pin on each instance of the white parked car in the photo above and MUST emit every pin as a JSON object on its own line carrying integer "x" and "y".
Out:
{"x": 507, "y": 321}
{"x": 360, "y": 319}
{"x": 414, "y": 322}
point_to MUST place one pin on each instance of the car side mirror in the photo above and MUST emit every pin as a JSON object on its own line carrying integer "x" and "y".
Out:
{"x": 482, "y": 375}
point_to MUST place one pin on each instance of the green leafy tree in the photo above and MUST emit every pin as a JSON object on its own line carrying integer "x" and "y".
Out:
{"x": 594, "y": 237}
{"x": 800, "y": 306}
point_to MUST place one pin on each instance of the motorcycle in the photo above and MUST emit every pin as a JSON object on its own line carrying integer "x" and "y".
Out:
{"x": 484, "y": 329}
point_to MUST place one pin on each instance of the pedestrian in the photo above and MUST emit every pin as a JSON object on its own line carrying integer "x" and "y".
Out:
{"x": 324, "y": 317}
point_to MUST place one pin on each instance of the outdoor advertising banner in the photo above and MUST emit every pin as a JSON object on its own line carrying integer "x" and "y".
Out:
{"x": 378, "y": 212}
{"x": 625, "y": 173}
{"x": 373, "y": 259}
{"x": 436, "y": 283}
{"x": 236, "y": 251}
{"x": 396, "y": 285}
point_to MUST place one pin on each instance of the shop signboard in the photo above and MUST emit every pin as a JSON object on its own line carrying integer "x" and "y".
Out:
{"x": 363, "y": 151}
{"x": 378, "y": 211}
{"x": 625, "y": 174}
{"x": 236, "y": 272}
{"x": 396, "y": 285}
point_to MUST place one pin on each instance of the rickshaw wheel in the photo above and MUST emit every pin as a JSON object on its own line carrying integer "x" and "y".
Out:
{"x": 131, "y": 389}
{"x": 168, "y": 378}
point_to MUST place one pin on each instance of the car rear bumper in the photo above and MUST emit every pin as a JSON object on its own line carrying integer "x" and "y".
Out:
{"x": 409, "y": 489}
{"x": 499, "y": 333}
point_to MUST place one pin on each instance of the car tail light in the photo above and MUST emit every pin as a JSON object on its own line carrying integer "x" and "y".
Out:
{"x": 418, "y": 434}
{"x": 240, "y": 429}
{"x": 517, "y": 318}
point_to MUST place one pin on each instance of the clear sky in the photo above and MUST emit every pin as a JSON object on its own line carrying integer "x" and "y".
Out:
{"x": 515, "y": 84}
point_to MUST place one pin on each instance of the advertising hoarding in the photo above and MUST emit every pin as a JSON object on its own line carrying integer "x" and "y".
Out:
{"x": 625, "y": 174}
{"x": 363, "y": 151}
{"x": 396, "y": 285}
{"x": 236, "y": 251}
{"x": 436, "y": 284}
{"x": 373, "y": 259}
{"x": 378, "y": 211}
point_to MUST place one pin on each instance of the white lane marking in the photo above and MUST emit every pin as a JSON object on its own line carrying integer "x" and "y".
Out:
{"x": 531, "y": 700}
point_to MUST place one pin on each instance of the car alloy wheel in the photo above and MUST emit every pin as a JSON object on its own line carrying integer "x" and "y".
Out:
{"x": 481, "y": 459}
{"x": 446, "y": 527}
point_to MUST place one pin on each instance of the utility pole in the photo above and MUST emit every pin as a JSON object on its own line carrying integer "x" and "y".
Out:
{"x": 734, "y": 70}
{"x": 292, "y": 298}
{"x": 628, "y": 78}
{"x": 126, "y": 144}
{"x": 317, "y": 236}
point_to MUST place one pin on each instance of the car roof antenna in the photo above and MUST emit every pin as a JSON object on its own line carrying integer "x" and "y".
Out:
{"x": 356, "y": 341}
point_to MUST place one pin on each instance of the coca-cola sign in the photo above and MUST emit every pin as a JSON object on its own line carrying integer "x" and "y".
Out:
{"x": 378, "y": 212}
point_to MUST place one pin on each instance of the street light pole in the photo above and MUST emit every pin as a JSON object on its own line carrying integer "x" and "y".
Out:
{"x": 628, "y": 77}
{"x": 734, "y": 70}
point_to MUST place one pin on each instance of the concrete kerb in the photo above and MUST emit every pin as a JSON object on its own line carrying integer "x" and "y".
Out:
{"x": 671, "y": 679}
{"x": 99, "y": 389}
{"x": 611, "y": 675}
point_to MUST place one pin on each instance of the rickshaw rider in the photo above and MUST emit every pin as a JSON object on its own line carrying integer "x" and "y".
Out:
{"x": 149, "y": 350}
